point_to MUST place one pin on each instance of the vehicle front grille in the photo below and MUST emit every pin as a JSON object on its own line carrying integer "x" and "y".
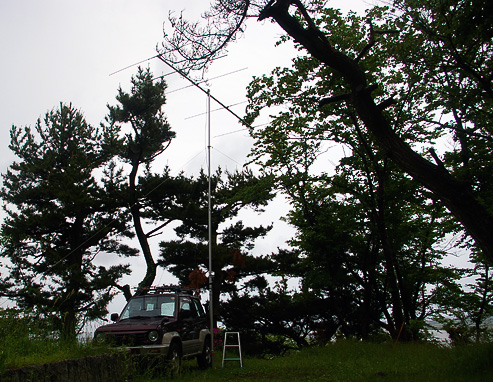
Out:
{"x": 133, "y": 339}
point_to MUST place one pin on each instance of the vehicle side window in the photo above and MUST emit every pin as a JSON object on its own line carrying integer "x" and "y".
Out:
{"x": 187, "y": 305}
{"x": 199, "y": 308}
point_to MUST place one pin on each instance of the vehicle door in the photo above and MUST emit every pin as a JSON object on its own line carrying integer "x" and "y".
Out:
{"x": 188, "y": 317}
{"x": 201, "y": 321}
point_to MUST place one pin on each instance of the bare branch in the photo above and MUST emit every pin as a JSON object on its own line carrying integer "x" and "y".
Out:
{"x": 333, "y": 99}
{"x": 193, "y": 46}
{"x": 152, "y": 232}
{"x": 438, "y": 161}
{"x": 385, "y": 104}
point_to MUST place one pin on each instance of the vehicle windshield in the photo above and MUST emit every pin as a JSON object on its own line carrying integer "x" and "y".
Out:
{"x": 149, "y": 306}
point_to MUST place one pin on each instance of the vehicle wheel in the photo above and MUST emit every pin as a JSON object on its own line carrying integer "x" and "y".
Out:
{"x": 174, "y": 359}
{"x": 205, "y": 359}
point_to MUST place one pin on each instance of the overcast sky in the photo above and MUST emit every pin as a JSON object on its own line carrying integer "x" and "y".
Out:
{"x": 66, "y": 51}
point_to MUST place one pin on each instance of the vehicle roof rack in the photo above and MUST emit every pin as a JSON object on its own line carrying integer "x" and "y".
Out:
{"x": 163, "y": 289}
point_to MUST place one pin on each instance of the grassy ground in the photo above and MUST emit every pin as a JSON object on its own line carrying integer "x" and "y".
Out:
{"x": 25, "y": 340}
{"x": 24, "y": 343}
{"x": 38, "y": 352}
{"x": 355, "y": 361}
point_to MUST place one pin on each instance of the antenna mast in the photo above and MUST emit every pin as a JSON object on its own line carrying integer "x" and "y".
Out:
{"x": 209, "y": 97}
{"x": 211, "y": 310}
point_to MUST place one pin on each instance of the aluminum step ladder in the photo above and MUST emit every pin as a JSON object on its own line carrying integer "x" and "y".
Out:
{"x": 232, "y": 345}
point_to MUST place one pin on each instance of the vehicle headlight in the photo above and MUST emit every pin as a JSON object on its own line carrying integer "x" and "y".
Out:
{"x": 99, "y": 337}
{"x": 153, "y": 335}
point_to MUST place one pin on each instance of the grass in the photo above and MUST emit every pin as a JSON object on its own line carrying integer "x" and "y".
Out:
{"x": 349, "y": 361}
{"x": 45, "y": 352}
{"x": 38, "y": 352}
{"x": 24, "y": 340}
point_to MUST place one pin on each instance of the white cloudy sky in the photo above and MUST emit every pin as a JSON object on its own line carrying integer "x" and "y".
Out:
{"x": 65, "y": 50}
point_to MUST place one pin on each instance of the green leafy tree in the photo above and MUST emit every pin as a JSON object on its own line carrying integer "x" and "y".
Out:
{"x": 60, "y": 216}
{"x": 368, "y": 246}
{"x": 139, "y": 117}
{"x": 367, "y": 235}
{"x": 443, "y": 58}
{"x": 188, "y": 258}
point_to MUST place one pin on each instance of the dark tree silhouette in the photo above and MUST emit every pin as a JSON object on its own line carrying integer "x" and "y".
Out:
{"x": 149, "y": 135}
{"x": 60, "y": 216}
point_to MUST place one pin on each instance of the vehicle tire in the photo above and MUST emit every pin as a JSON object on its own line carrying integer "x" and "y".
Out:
{"x": 173, "y": 361}
{"x": 205, "y": 359}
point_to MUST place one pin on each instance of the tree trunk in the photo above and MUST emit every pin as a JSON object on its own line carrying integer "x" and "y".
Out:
{"x": 139, "y": 231}
{"x": 69, "y": 303}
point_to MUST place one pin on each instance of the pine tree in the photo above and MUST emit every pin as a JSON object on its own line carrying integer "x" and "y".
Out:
{"x": 147, "y": 134}
{"x": 60, "y": 216}
{"x": 232, "y": 241}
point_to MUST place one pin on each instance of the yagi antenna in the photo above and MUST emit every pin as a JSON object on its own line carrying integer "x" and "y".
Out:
{"x": 140, "y": 62}
{"x": 137, "y": 63}
{"x": 196, "y": 84}
{"x": 198, "y": 115}
{"x": 205, "y": 80}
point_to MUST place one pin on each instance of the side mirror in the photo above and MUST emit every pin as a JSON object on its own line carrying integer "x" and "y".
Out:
{"x": 114, "y": 317}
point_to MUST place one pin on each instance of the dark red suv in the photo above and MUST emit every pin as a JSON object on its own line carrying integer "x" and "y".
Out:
{"x": 167, "y": 321}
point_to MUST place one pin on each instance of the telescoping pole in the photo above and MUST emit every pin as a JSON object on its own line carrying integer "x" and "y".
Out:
{"x": 211, "y": 310}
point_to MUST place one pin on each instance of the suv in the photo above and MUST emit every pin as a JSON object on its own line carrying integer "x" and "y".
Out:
{"x": 166, "y": 321}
